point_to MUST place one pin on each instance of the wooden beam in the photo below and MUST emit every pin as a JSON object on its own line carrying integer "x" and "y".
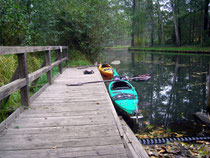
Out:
{"x": 59, "y": 58}
{"x": 67, "y": 61}
{"x": 48, "y": 63}
{"x": 28, "y": 49}
{"x": 58, "y": 62}
{"x": 23, "y": 73}
{"x": 10, "y": 119}
{"x": 11, "y": 87}
{"x": 14, "y": 77}
{"x": 38, "y": 73}
{"x": 132, "y": 143}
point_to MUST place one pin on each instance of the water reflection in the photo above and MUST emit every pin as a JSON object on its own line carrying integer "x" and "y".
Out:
{"x": 177, "y": 90}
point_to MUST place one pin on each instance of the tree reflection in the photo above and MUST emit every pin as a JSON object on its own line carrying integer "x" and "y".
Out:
{"x": 176, "y": 90}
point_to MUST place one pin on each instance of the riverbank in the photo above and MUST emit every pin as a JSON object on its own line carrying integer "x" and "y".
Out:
{"x": 183, "y": 49}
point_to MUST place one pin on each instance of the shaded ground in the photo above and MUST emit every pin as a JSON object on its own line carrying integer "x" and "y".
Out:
{"x": 179, "y": 150}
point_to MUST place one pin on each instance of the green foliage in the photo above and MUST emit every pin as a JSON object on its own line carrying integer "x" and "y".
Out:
{"x": 8, "y": 65}
{"x": 189, "y": 16}
{"x": 13, "y": 24}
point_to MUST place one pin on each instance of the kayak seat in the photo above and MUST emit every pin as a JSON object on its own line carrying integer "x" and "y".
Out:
{"x": 119, "y": 85}
{"x": 105, "y": 65}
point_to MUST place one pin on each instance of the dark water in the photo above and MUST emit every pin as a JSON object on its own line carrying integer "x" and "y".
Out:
{"x": 178, "y": 88}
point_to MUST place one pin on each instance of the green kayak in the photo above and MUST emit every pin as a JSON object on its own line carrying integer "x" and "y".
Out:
{"x": 123, "y": 95}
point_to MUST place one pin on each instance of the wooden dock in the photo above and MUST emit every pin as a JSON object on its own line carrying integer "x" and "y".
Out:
{"x": 70, "y": 121}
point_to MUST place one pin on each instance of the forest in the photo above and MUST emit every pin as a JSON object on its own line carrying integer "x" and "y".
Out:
{"x": 89, "y": 26}
{"x": 170, "y": 22}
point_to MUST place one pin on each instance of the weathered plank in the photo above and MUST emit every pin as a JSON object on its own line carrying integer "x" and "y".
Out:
{"x": 4, "y": 125}
{"x": 132, "y": 142}
{"x": 37, "y": 94}
{"x": 27, "y": 49}
{"x": 11, "y": 87}
{"x": 38, "y": 73}
{"x": 96, "y": 151}
{"x": 61, "y": 136}
{"x": 68, "y": 122}
{"x": 62, "y": 142}
{"x": 23, "y": 73}
{"x": 60, "y": 129}
{"x": 48, "y": 63}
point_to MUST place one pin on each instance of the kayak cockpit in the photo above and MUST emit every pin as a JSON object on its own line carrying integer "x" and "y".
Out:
{"x": 120, "y": 85}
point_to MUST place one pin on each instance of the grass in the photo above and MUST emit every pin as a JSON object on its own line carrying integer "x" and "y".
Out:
{"x": 173, "y": 48}
{"x": 78, "y": 59}
{"x": 117, "y": 47}
{"x": 8, "y": 65}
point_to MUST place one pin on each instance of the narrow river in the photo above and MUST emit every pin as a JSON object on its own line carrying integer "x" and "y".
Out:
{"x": 178, "y": 88}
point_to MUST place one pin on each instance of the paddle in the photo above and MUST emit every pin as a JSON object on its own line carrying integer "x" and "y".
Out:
{"x": 137, "y": 78}
{"x": 116, "y": 62}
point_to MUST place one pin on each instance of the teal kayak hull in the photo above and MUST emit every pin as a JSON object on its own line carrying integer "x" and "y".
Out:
{"x": 124, "y": 96}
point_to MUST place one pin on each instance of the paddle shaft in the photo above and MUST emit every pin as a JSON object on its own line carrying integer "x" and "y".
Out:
{"x": 82, "y": 83}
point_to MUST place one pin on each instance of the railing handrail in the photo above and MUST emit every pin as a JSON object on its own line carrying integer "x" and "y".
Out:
{"x": 4, "y": 50}
{"x": 23, "y": 78}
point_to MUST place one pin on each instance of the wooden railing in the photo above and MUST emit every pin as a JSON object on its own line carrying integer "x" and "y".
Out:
{"x": 22, "y": 79}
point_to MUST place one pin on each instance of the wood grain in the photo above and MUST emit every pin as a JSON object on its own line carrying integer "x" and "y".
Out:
{"x": 27, "y": 49}
{"x": 65, "y": 121}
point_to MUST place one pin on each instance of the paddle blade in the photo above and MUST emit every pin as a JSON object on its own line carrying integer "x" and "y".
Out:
{"x": 140, "y": 78}
{"x": 116, "y": 62}
{"x": 139, "y": 116}
{"x": 74, "y": 84}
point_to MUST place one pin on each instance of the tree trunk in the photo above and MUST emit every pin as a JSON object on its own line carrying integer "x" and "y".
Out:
{"x": 206, "y": 8}
{"x": 151, "y": 23}
{"x": 161, "y": 24}
{"x": 176, "y": 27}
{"x": 205, "y": 20}
{"x": 208, "y": 101}
{"x": 133, "y": 23}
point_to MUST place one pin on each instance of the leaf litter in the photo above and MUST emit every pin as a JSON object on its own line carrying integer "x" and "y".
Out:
{"x": 196, "y": 149}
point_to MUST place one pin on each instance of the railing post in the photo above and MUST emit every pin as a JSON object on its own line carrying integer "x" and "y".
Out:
{"x": 48, "y": 63}
{"x": 66, "y": 55}
{"x": 59, "y": 58}
{"x": 23, "y": 73}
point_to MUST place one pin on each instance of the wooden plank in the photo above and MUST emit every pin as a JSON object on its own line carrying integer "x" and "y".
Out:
{"x": 74, "y": 108}
{"x": 48, "y": 63}
{"x": 27, "y": 49}
{"x": 23, "y": 73}
{"x": 60, "y": 65}
{"x": 88, "y": 151}
{"x": 61, "y": 121}
{"x": 65, "y": 118}
{"x": 4, "y": 125}
{"x": 59, "y": 129}
{"x": 56, "y": 63}
{"x": 38, "y": 73}
{"x": 59, "y": 142}
{"x": 11, "y": 87}
{"x": 133, "y": 144}
{"x": 61, "y": 136}
{"x": 67, "y": 61}
{"x": 14, "y": 77}
{"x": 86, "y": 113}
{"x": 38, "y": 93}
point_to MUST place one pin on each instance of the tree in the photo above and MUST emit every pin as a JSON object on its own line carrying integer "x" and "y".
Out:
{"x": 176, "y": 27}
{"x": 160, "y": 20}
{"x": 152, "y": 24}
{"x": 205, "y": 33}
{"x": 133, "y": 22}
